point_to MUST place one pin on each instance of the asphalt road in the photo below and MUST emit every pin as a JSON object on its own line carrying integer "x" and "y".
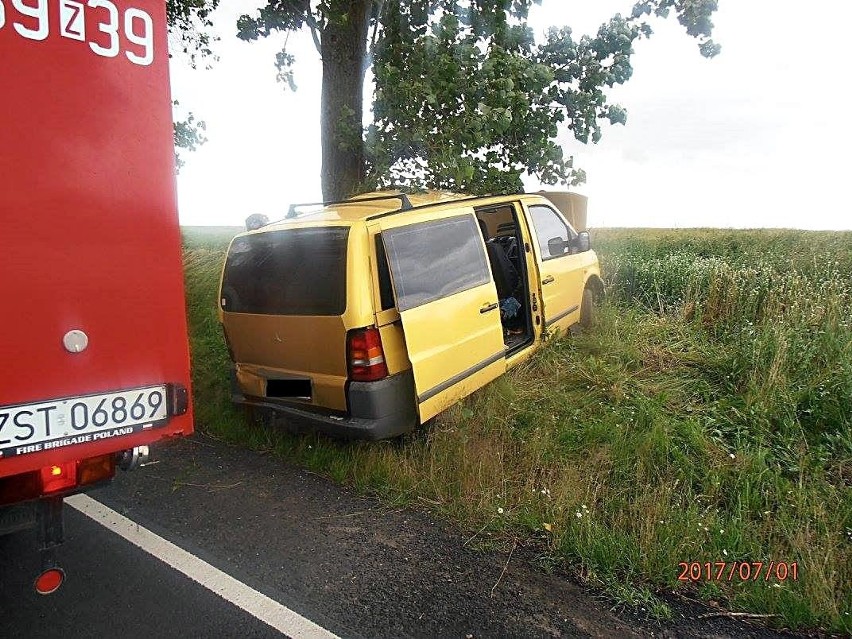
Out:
{"x": 353, "y": 566}
{"x": 112, "y": 589}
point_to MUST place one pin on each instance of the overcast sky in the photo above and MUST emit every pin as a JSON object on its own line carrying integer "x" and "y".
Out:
{"x": 756, "y": 137}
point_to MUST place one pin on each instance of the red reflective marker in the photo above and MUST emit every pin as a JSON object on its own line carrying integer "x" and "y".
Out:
{"x": 49, "y": 581}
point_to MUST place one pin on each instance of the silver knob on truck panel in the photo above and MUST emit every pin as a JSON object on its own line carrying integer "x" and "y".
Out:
{"x": 75, "y": 341}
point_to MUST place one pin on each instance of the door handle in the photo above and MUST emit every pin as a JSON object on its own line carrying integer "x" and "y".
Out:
{"x": 548, "y": 280}
{"x": 488, "y": 307}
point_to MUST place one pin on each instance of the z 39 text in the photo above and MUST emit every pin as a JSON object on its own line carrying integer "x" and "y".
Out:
{"x": 98, "y": 23}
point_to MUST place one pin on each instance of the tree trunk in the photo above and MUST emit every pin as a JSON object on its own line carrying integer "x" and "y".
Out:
{"x": 343, "y": 46}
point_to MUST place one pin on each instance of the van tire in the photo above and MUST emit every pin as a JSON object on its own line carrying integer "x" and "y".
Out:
{"x": 587, "y": 309}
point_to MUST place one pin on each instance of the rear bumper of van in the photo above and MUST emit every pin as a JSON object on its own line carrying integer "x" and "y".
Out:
{"x": 377, "y": 410}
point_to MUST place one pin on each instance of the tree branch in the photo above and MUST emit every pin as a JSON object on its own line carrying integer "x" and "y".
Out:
{"x": 379, "y": 9}
{"x": 312, "y": 23}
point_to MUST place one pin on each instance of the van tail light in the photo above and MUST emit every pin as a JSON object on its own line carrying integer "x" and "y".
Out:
{"x": 366, "y": 357}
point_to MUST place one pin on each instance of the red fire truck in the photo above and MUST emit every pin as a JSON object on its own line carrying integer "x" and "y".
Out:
{"x": 94, "y": 362}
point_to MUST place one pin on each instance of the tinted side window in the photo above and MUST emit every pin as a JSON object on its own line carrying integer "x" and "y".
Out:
{"x": 436, "y": 259}
{"x": 548, "y": 224}
{"x": 289, "y": 272}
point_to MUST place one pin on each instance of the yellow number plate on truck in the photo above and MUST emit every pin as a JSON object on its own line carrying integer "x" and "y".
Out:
{"x": 32, "y": 428}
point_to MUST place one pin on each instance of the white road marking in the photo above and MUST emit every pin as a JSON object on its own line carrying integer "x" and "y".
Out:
{"x": 253, "y": 602}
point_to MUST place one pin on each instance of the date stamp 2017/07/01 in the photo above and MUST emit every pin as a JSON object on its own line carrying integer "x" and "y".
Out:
{"x": 770, "y": 571}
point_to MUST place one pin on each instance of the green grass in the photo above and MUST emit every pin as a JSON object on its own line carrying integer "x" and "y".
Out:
{"x": 706, "y": 417}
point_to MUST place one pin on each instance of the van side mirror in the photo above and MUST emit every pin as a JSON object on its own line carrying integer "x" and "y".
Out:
{"x": 255, "y": 221}
{"x": 556, "y": 246}
{"x": 583, "y": 242}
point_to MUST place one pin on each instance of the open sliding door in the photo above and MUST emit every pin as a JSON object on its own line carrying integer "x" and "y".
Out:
{"x": 447, "y": 303}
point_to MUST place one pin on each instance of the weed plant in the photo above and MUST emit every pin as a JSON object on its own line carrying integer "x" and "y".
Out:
{"x": 707, "y": 417}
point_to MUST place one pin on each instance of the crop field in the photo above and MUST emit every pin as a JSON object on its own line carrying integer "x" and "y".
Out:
{"x": 705, "y": 419}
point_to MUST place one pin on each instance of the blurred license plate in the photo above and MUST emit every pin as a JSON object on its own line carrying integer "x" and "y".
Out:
{"x": 32, "y": 428}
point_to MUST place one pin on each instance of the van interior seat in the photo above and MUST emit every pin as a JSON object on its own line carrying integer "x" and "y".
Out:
{"x": 505, "y": 276}
{"x": 510, "y": 246}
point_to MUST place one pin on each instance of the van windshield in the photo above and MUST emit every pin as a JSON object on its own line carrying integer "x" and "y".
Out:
{"x": 289, "y": 272}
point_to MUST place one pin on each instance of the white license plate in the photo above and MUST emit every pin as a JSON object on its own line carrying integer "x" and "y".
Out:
{"x": 32, "y": 428}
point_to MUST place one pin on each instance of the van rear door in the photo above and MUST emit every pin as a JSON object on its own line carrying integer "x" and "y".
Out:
{"x": 447, "y": 304}
{"x": 284, "y": 311}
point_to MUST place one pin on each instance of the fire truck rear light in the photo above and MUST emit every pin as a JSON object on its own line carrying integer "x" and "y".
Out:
{"x": 21, "y": 487}
{"x": 178, "y": 399}
{"x": 49, "y": 581}
{"x": 95, "y": 469}
{"x": 59, "y": 477}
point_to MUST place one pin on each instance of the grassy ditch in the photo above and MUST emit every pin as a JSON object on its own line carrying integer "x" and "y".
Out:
{"x": 706, "y": 418}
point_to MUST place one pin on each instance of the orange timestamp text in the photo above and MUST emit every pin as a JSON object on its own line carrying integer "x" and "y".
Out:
{"x": 777, "y": 571}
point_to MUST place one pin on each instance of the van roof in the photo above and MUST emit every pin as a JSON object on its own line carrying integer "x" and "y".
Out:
{"x": 363, "y": 206}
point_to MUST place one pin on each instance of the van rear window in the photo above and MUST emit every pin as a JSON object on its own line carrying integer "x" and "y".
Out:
{"x": 289, "y": 272}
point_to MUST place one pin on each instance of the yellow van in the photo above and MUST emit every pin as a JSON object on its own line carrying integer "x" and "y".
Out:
{"x": 367, "y": 317}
